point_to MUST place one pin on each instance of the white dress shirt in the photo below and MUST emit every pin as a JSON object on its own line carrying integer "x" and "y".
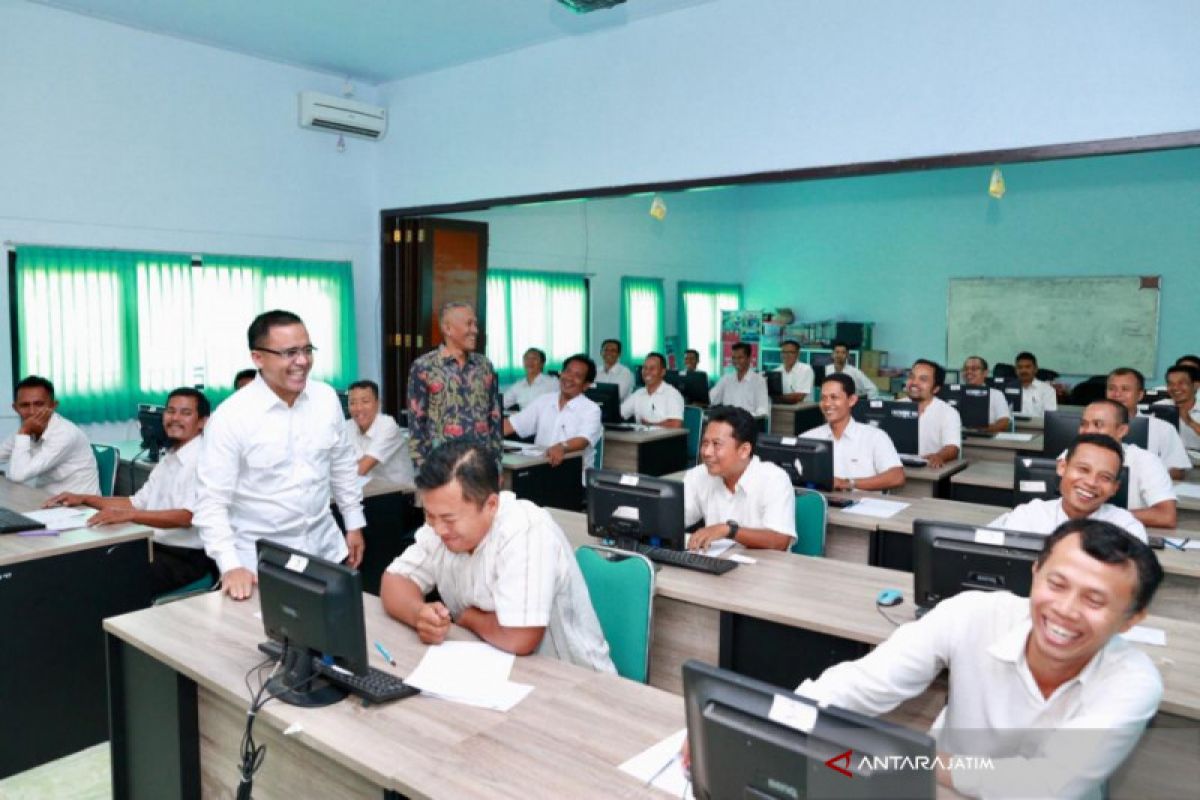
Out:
{"x": 864, "y": 451}
{"x": 997, "y": 406}
{"x": 1164, "y": 441}
{"x": 522, "y": 392}
{"x": 799, "y": 380}
{"x": 525, "y": 572}
{"x": 750, "y": 393}
{"x": 938, "y": 426}
{"x": 1037, "y": 398}
{"x": 1061, "y": 746}
{"x": 762, "y": 498}
{"x": 60, "y": 460}
{"x": 1149, "y": 481}
{"x": 620, "y": 375}
{"x": 1191, "y": 439}
{"x": 386, "y": 442}
{"x": 549, "y": 424}
{"x": 1044, "y": 516}
{"x": 267, "y": 472}
{"x": 666, "y": 403}
{"x": 172, "y": 485}
{"x": 866, "y": 387}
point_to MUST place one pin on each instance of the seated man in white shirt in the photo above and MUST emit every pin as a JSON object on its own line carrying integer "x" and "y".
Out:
{"x": 841, "y": 364}
{"x": 167, "y": 498}
{"x": 379, "y": 444}
{"x": 535, "y": 383}
{"x": 1182, "y": 383}
{"x": 737, "y": 495}
{"x": 613, "y": 371}
{"x": 658, "y": 402}
{"x": 1043, "y": 687}
{"x": 743, "y": 387}
{"x": 566, "y": 421}
{"x": 863, "y": 455}
{"x": 1127, "y": 386}
{"x": 504, "y": 570}
{"x": 1089, "y": 475}
{"x": 975, "y": 373}
{"x": 797, "y": 376}
{"x": 939, "y": 428}
{"x": 1151, "y": 495}
{"x": 47, "y": 452}
{"x": 1037, "y": 397}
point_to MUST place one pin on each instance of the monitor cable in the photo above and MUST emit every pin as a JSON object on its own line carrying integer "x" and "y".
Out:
{"x": 252, "y": 753}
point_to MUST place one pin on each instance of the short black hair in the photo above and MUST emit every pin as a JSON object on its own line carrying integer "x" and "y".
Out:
{"x": 792, "y": 342}
{"x": 245, "y": 375}
{"x": 1111, "y": 544}
{"x": 742, "y": 347}
{"x": 203, "y": 406}
{"x": 1121, "y": 411}
{"x": 1186, "y": 369}
{"x": 745, "y": 430}
{"x": 843, "y": 380}
{"x": 980, "y": 359}
{"x": 587, "y": 361}
{"x": 655, "y": 354}
{"x": 34, "y": 382}
{"x": 261, "y": 326}
{"x": 541, "y": 354}
{"x": 1099, "y": 440}
{"x": 617, "y": 342}
{"x": 939, "y": 372}
{"x": 1025, "y": 355}
{"x": 364, "y": 384}
{"x": 693, "y": 351}
{"x": 470, "y": 463}
{"x": 1188, "y": 359}
{"x": 838, "y": 343}
{"x": 1141, "y": 379}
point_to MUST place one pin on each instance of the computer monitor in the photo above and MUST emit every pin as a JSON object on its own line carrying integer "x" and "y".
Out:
{"x": 608, "y": 397}
{"x": 807, "y": 418}
{"x": 1061, "y": 427}
{"x": 750, "y": 739}
{"x": 344, "y": 400}
{"x": 627, "y": 507}
{"x": 808, "y": 462}
{"x": 692, "y": 385}
{"x": 315, "y": 608}
{"x": 897, "y": 418}
{"x": 774, "y": 383}
{"x": 150, "y": 425}
{"x": 1011, "y": 389}
{"x": 1154, "y": 395}
{"x": 972, "y": 402}
{"x": 949, "y": 558}
{"x": 1167, "y": 413}
{"x": 1038, "y": 478}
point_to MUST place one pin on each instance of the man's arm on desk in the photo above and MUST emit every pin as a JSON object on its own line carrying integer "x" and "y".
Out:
{"x": 891, "y": 478}
{"x": 486, "y": 625}
{"x": 403, "y": 600}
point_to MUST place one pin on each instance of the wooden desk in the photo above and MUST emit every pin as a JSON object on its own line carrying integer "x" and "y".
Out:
{"x": 179, "y": 702}
{"x": 54, "y": 592}
{"x": 656, "y": 451}
{"x": 532, "y": 477}
{"x": 784, "y": 418}
{"x": 1187, "y": 509}
{"x": 930, "y": 481}
{"x": 982, "y": 449}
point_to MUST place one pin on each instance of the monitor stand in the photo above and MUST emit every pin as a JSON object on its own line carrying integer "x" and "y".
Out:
{"x": 299, "y": 684}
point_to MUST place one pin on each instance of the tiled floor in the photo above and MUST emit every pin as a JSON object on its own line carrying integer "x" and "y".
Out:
{"x": 79, "y": 776}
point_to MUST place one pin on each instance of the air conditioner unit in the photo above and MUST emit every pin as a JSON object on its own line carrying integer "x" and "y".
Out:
{"x": 341, "y": 115}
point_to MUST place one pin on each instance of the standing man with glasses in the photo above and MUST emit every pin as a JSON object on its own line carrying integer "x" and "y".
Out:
{"x": 273, "y": 453}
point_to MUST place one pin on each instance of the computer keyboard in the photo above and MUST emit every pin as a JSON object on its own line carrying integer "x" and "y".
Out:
{"x": 13, "y": 522}
{"x": 970, "y": 433}
{"x": 913, "y": 461}
{"x": 621, "y": 426}
{"x": 376, "y": 686}
{"x": 686, "y": 559}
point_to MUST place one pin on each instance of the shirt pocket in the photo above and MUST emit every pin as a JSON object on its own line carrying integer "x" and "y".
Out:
{"x": 268, "y": 465}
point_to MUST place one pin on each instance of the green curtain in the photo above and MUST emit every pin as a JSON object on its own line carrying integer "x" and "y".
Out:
{"x": 643, "y": 312}
{"x": 700, "y": 307}
{"x": 546, "y": 310}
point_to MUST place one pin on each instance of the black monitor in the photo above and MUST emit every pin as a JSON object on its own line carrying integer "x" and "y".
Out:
{"x": 807, "y": 418}
{"x": 1062, "y": 427}
{"x": 1152, "y": 396}
{"x": 972, "y": 402}
{"x": 315, "y": 608}
{"x": 750, "y": 739}
{"x": 949, "y": 558}
{"x": 1038, "y": 478}
{"x": 1167, "y": 413}
{"x": 774, "y": 383}
{"x": 154, "y": 436}
{"x": 608, "y": 397}
{"x": 625, "y": 506}
{"x": 808, "y": 462}
{"x": 897, "y": 418}
{"x": 1011, "y": 389}
{"x": 692, "y": 385}
{"x": 344, "y": 400}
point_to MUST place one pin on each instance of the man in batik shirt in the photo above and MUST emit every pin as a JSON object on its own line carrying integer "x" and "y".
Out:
{"x": 453, "y": 392}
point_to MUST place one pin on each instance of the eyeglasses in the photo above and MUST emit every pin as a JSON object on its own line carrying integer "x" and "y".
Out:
{"x": 291, "y": 354}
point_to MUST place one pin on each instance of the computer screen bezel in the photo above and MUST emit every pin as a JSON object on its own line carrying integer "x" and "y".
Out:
{"x": 604, "y": 483}
{"x": 818, "y": 476}
{"x": 932, "y": 571}
{"x": 608, "y": 397}
{"x": 973, "y": 403}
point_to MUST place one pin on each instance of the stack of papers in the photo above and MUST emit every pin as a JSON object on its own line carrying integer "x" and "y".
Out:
{"x": 1014, "y": 437}
{"x": 62, "y": 518}
{"x": 874, "y": 507}
{"x": 661, "y": 767}
{"x": 472, "y": 673}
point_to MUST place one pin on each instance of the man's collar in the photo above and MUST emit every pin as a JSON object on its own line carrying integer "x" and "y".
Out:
{"x": 1010, "y": 647}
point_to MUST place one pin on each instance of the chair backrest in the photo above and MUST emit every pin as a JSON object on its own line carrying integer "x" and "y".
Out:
{"x": 693, "y": 420}
{"x": 107, "y": 457}
{"x": 621, "y": 585}
{"x": 811, "y": 513}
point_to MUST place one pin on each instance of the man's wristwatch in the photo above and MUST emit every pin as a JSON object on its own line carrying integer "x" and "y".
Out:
{"x": 853, "y": 484}
{"x": 733, "y": 529}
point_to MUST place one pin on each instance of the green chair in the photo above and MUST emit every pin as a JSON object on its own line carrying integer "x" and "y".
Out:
{"x": 107, "y": 457}
{"x": 621, "y": 585}
{"x": 693, "y": 420}
{"x": 198, "y": 586}
{"x": 811, "y": 513}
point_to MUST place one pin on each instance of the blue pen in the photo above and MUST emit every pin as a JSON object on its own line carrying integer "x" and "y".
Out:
{"x": 386, "y": 655}
{"x": 39, "y": 532}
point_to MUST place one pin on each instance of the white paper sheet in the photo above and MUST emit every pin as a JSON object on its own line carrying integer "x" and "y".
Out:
{"x": 1008, "y": 436}
{"x": 473, "y": 673}
{"x": 718, "y": 547}
{"x": 874, "y": 507}
{"x": 741, "y": 559}
{"x": 1146, "y": 635}
{"x": 671, "y": 780}
{"x": 1188, "y": 490}
{"x": 62, "y": 518}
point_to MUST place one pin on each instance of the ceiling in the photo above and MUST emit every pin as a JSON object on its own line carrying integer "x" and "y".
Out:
{"x": 368, "y": 40}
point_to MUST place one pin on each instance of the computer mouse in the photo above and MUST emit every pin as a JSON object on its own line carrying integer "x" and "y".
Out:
{"x": 889, "y": 597}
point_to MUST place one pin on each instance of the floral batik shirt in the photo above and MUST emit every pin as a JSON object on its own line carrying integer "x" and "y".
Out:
{"x": 448, "y": 400}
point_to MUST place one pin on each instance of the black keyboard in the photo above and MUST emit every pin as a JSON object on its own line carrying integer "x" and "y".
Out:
{"x": 840, "y": 502}
{"x": 376, "y": 686}
{"x": 12, "y": 522}
{"x": 971, "y": 433}
{"x": 686, "y": 559}
{"x": 620, "y": 426}
{"x": 913, "y": 461}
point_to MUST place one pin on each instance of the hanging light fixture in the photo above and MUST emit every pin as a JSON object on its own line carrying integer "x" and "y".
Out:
{"x": 996, "y": 185}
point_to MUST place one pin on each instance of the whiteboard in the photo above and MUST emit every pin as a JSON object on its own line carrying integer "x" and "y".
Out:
{"x": 1075, "y": 326}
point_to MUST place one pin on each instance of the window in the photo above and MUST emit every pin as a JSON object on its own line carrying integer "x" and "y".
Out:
{"x": 114, "y": 328}
{"x": 641, "y": 318}
{"x": 547, "y": 310}
{"x": 700, "y": 307}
